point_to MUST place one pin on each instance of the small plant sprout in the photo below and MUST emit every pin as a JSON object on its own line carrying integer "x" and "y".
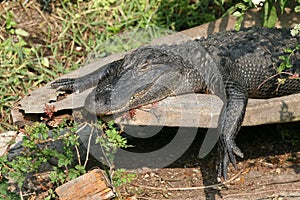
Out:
{"x": 296, "y": 30}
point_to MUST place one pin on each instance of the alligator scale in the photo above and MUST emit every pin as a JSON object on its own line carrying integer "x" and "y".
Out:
{"x": 234, "y": 65}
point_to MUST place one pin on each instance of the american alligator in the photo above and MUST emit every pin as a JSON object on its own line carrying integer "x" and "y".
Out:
{"x": 234, "y": 65}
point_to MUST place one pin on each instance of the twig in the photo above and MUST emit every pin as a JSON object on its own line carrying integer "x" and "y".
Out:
{"x": 77, "y": 151}
{"x": 88, "y": 147}
{"x": 38, "y": 141}
{"x": 85, "y": 124}
{"x": 269, "y": 78}
{"x": 21, "y": 194}
{"x": 108, "y": 182}
{"x": 23, "y": 8}
{"x": 282, "y": 182}
{"x": 105, "y": 156}
{"x": 147, "y": 198}
{"x": 188, "y": 188}
{"x": 41, "y": 13}
{"x": 78, "y": 155}
{"x": 261, "y": 192}
{"x": 10, "y": 143}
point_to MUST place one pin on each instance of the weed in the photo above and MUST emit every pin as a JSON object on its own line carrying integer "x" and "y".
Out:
{"x": 37, "y": 150}
{"x": 271, "y": 10}
{"x": 121, "y": 177}
{"x": 180, "y": 15}
{"x": 285, "y": 63}
{"x": 22, "y": 68}
{"x": 10, "y": 24}
{"x": 110, "y": 142}
{"x": 286, "y": 59}
{"x": 4, "y": 193}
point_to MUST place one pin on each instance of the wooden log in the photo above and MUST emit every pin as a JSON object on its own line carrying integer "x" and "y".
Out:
{"x": 92, "y": 185}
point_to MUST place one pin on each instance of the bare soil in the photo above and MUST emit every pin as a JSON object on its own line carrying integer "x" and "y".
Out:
{"x": 270, "y": 169}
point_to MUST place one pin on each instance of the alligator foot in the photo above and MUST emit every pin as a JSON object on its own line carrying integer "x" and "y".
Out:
{"x": 101, "y": 75}
{"x": 64, "y": 84}
{"x": 226, "y": 149}
{"x": 229, "y": 124}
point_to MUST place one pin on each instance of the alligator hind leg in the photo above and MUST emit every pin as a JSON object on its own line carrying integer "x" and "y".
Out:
{"x": 229, "y": 124}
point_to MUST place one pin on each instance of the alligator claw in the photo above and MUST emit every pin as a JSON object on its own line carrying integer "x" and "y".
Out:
{"x": 64, "y": 84}
{"x": 227, "y": 151}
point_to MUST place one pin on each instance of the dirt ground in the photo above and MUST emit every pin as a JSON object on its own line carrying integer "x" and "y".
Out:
{"x": 270, "y": 169}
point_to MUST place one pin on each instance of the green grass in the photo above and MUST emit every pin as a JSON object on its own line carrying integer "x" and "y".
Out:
{"x": 31, "y": 56}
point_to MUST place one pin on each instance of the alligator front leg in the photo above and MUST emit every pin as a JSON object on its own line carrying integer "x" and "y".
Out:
{"x": 229, "y": 124}
{"x": 108, "y": 71}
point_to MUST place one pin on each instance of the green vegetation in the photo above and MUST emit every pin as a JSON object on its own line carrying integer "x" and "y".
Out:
{"x": 286, "y": 60}
{"x": 37, "y": 150}
{"x": 271, "y": 9}
{"x": 110, "y": 142}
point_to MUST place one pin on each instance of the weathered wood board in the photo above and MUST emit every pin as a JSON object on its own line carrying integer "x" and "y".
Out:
{"x": 196, "y": 110}
{"x": 91, "y": 185}
{"x": 200, "y": 110}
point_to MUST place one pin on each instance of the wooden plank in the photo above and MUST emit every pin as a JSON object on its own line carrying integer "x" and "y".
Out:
{"x": 201, "y": 110}
{"x": 88, "y": 186}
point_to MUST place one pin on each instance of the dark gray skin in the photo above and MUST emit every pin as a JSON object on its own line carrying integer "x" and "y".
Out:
{"x": 233, "y": 65}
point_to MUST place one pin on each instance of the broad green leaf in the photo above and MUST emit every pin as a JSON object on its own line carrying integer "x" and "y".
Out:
{"x": 282, "y": 5}
{"x": 281, "y": 67}
{"x": 241, "y": 6}
{"x": 45, "y": 62}
{"x": 237, "y": 14}
{"x": 21, "y": 32}
{"x": 270, "y": 15}
{"x": 282, "y": 57}
{"x": 288, "y": 50}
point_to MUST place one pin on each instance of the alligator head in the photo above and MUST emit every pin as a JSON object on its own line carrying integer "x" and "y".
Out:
{"x": 151, "y": 74}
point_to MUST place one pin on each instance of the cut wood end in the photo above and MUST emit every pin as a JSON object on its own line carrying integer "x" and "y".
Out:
{"x": 92, "y": 185}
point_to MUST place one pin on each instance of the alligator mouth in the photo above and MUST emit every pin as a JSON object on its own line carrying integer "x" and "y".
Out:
{"x": 125, "y": 95}
{"x": 133, "y": 102}
{"x": 147, "y": 107}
